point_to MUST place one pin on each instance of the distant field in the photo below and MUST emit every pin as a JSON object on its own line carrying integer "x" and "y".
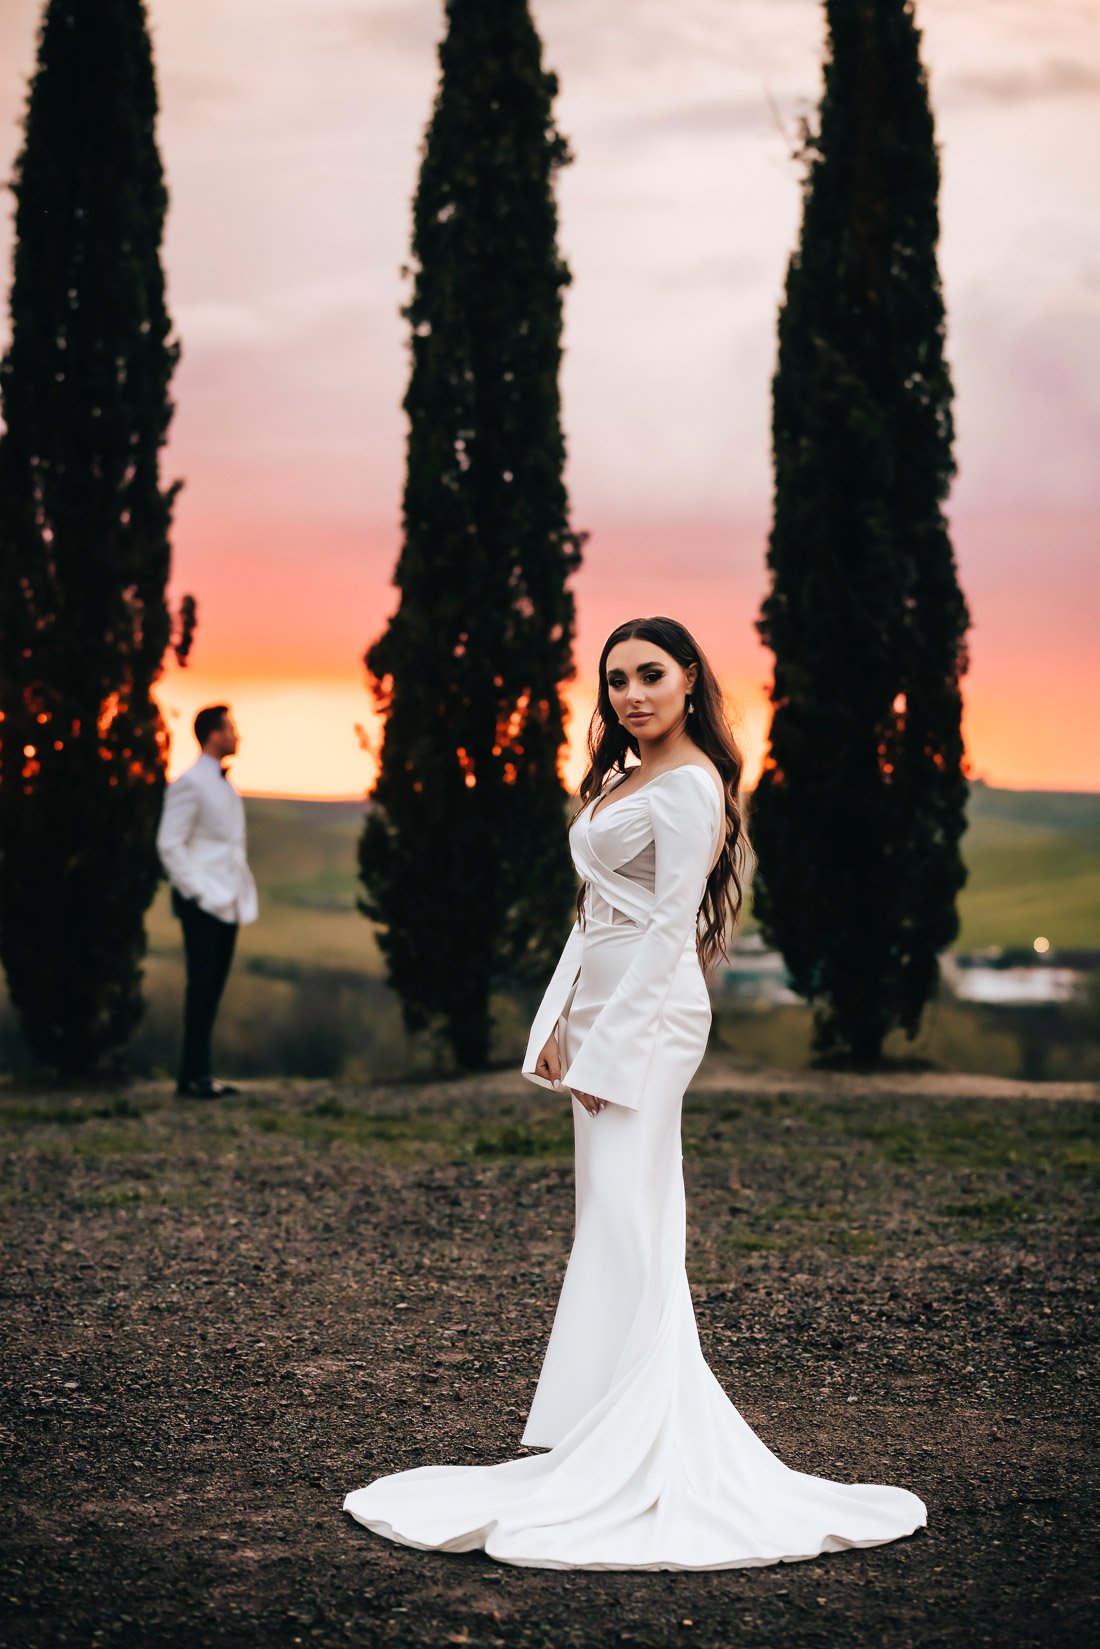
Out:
{"x": 303, "y": 857}
{"x": 1033, "y": 859}
{"x": 1034, "y": 863}
{"x": 307, "y": 995}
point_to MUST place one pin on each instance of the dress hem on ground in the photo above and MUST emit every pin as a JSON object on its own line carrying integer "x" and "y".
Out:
{"x": 473, "y": 1542}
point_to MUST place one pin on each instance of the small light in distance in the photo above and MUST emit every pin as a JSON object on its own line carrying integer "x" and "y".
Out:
{"x": 1041, "y": 945}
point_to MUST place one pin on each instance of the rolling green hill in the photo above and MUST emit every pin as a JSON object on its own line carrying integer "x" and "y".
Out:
{"x": 307, "y": 995}
{"x": 303, "y": 857}
{"x": 1034, "y": 863}
{"x": 1033, "y": 859}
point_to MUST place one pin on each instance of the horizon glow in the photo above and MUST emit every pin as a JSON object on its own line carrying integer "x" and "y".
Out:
{"x": 291, "y": 159}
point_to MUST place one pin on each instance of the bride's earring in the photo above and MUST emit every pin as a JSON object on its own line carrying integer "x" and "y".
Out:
{"x": 690, "y": 707}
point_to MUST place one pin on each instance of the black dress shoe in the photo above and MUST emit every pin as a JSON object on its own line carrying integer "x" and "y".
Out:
{"x": 205, "y": 1087}
{"x": 196, "y": 1090}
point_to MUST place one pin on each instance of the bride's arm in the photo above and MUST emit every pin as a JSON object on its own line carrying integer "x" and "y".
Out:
{"x": 546, "y": 1019}
{"x": 614, "y": 1057}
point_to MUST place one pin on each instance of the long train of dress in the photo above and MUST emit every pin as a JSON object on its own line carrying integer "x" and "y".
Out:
{"x": 649, "y": 1465}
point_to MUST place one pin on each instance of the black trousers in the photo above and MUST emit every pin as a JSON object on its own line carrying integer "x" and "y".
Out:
{"x": 208, "y": 950}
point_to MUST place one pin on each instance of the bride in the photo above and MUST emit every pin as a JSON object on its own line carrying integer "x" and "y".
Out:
{"x": 648, "y": 1464}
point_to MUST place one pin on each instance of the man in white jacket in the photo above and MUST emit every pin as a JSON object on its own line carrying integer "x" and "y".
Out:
{"x": 201, "y": 842}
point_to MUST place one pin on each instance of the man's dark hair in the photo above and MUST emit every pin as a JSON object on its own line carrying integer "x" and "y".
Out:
{"x": 209, "y": 720}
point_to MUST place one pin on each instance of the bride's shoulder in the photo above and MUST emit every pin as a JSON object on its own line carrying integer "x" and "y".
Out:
{"x": 706, "y": 776}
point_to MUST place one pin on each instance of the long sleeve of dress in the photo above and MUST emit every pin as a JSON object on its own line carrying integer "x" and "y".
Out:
{"x": 553, "y": 1000}
{"x": 615, "y": 1055}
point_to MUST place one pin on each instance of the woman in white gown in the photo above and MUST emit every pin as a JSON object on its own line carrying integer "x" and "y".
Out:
{"x": 648, "y": 1464}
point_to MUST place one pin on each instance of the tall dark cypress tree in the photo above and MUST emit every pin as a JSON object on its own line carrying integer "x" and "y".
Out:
{"x": 861, "y": 805}
{"x": 84, "y": 551}
{"x": 463, "y": 855}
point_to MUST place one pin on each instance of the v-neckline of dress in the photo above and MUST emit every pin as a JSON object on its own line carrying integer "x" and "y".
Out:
{"x": 596, "y": 800}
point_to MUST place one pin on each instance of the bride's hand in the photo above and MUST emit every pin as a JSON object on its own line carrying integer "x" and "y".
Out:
{"x": 548, "y": 1064}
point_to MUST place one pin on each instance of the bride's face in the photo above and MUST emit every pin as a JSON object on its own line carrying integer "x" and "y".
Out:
{"x": 647, "y": 688}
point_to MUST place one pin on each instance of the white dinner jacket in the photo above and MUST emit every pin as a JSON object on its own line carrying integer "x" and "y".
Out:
{"x": 201, "y": 842}
{"x": 687, "y": 820}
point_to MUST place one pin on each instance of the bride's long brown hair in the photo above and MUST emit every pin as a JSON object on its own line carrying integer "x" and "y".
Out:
{"x": 709, "y": 728}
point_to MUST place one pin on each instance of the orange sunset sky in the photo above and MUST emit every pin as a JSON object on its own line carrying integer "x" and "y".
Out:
{"x": 290, "y": 132}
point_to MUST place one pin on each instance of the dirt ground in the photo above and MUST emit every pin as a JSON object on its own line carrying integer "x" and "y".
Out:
{"x": 219, "y": 1318}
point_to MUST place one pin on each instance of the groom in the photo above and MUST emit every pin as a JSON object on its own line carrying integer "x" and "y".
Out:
{"x": 201, "y": 842}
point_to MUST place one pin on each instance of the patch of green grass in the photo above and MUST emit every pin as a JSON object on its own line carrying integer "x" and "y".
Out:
{"x": 100, "y": 1142}
{"x": 990, "y": 1208}
{"x": 853, "y": 1239}
{"x": 329, "y": 1121}
{"x": 332, "y": 1123}
{"x": 784, "y": 1211}
{"x": 328, "y": 1107}
{"x": 967, "y": 1142}
{"x": 67, "y": 1116}
{"x": 958, "y": 1135}
{"x": 818, "y": 1229}
{"x": 518, "y": 1139}
{"x": 990, "y": 1218}
{"x": 118, "y": 1196}
{"x": 20, "y": 1196}
{"x": 750, "y": 1241}
{"x": 1081, "y": 1159}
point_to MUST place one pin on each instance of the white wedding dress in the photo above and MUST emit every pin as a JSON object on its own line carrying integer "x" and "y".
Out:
{"x": 649, "y": 1464}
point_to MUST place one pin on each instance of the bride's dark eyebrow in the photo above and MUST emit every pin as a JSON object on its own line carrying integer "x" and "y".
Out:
{"x": 617, "y": 670}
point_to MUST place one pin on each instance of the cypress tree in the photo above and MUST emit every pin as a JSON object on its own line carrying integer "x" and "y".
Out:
{"x": 84, "y": 552}
{"x": 463, "y": 854}
{"x": 861, "y": 804}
